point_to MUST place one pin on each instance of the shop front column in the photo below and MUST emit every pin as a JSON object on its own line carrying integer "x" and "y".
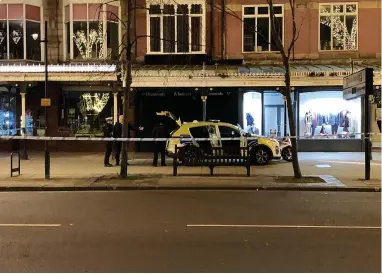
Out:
{"x": 115, "y": 108}
{"x": 23, "y": 123}
{"x": 23, "y": 113}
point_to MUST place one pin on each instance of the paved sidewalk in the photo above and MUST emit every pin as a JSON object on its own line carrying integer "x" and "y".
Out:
{"x": 80, "y": 170}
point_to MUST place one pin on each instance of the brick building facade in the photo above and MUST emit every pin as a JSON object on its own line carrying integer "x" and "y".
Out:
{"x": 183, "y": 48}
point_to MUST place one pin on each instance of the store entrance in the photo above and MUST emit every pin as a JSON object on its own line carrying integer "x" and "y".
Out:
{"x": 274, "y": 120}
{"x": 184, "y": 103}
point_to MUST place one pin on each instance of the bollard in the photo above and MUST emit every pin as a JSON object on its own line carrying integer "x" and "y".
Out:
{"x": 47, "y": 164}
{"x": 17, "y": 169}
{"x": 25, "y": 153}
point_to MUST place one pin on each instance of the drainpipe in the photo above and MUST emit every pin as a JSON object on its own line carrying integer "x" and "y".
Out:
{"x": 212, "y": 30}
{"x": 223, "y": 49}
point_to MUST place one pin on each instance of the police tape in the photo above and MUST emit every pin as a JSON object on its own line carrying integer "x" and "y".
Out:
{"x": 186, "y": 139}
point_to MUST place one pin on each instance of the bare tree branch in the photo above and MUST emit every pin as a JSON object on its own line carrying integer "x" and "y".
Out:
{"x": 274, "y": 32}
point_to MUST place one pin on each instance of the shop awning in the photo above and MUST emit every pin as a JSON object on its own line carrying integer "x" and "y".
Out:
{"x": 248, "y": 75}
{"x": 245, "y": 75}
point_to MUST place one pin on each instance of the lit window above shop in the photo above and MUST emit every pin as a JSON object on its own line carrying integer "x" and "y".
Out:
{"x": 176, "y": 27}
{"x": 92, "y": 30}
{"x": 339, "y": 26}
{"x": 257, "y": 34}
{"x": 20, "y": 31}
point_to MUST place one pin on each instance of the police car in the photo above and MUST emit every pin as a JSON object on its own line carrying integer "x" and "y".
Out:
{"x": 262, "y": 149}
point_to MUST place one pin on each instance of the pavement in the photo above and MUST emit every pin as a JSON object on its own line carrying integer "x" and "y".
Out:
{"x": 84, "y": 171}
{"x": 190, "y": 231}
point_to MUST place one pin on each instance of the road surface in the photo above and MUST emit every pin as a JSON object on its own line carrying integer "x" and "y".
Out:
{"x": 190, "y": 231}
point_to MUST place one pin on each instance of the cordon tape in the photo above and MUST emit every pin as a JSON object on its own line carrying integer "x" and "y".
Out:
{"x": 44, "y": 138}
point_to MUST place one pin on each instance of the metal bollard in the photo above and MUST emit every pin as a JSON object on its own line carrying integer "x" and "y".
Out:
{"x": 47, "y": 164}
{"x": 17, "y": 169}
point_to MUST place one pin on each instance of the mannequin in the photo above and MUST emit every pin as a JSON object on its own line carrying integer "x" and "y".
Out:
{"x": 308, "y": 123}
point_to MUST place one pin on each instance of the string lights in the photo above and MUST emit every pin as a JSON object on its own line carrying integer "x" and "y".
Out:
{"x": 58, "y": 68}
{"x": 93, "y": 102}
{"x": 85, "y": 44}
{"x": 345, "y": 40}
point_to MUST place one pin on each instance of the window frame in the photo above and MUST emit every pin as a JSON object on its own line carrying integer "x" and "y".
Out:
{"x": 24, "y": 3}
{"x": 344, "y": 13}
{"x": 190, "y": 15}
{"x": 105, "y": 20}
{"x": 255, "y": 16}
{"x": 232, "y": 129}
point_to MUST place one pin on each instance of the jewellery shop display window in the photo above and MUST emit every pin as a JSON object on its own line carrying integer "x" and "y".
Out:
{"x": 84, "y": 114}
{"x": 7, "y": 114}
{"x": 326, "y": 115}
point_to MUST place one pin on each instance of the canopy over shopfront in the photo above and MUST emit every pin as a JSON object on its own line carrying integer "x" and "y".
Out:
{"x": 189, "y": 76}
{"x": 244, "y": 76}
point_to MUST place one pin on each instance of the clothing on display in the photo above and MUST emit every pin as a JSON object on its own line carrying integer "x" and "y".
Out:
{"x": 308, "y": 124}
{"x": 334, "y": 124}
{"x": 251, "y": 128}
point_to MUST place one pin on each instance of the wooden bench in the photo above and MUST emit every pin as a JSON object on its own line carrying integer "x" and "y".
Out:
{"x": 217, "y": 156}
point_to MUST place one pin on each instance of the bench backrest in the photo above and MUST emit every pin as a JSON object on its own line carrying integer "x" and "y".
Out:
{"x": 216, "y": 155}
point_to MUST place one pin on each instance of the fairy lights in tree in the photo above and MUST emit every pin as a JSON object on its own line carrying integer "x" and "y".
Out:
{"x": 345, "y": 38}
{"x": 94, "y": 102}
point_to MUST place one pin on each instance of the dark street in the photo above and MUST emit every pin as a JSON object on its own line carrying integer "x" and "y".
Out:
{"x": 190, "y": 231}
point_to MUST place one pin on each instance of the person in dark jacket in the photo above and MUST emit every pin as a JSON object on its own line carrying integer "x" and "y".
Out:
{"x": 160, "y": 146}
{"x": 118, "y": 132}
{"x": 108, "y": 133}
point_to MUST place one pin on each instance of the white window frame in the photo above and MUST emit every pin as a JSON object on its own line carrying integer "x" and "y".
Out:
{"x": 37, "y": 3}
{"x": 256, "y": 15}
{"x": 104, "y": 22}
{"x": 344, "y": 13}
{"x": 176, "y": 3}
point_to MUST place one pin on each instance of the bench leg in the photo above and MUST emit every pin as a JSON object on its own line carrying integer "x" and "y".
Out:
{"x": 175, "y": 168}
{"x": 211, "y": 170}
{"x": 248, "y": 171}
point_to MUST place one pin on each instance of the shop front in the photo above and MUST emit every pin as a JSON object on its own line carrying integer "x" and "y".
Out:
{"x": 327, "y": 122}
{"x": 74, "y": 112}
{"x": 324, "y": 120}
{"x": 184, "y": 103}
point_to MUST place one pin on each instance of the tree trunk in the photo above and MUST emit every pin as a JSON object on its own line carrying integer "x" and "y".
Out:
{"x": 291, "y": 119}
{"x": 126, "y": 93}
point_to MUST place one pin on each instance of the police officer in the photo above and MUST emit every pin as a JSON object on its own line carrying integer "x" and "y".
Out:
{"x": 160, "y": 146}
{"x": 108, "y": 133}
{"x": 117, "y": 133}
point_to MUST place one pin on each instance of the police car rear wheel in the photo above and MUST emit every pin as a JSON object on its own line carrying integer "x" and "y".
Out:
{"x": 287, "y": 154}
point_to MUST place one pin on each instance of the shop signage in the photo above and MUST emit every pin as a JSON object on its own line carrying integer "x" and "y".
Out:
{"x": 153, "y": 94}
{"x": 45, "y": 102}
{"x": 355, "y": 85}
{"x": 219, "y": 93}
{"x": 182, "y": 93}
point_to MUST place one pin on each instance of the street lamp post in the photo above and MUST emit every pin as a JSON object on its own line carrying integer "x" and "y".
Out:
{"x": 47, "y": 153}
{"x": 46, "y": 148}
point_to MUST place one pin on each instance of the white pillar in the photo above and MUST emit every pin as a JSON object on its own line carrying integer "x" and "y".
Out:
{"x": 115, "y": 116}
{"x": 23, "y": 113}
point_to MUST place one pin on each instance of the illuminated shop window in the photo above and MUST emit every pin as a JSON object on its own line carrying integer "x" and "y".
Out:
{"x": 339, "y": 26}
{"x": 7, "y": 113}
{"x": 85, "y": 113}
{"x": 252, "y": 112}
{"x": 325, "y": 114}
{"x": 91, "y": 30}
{"x": 20, "y": 32}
